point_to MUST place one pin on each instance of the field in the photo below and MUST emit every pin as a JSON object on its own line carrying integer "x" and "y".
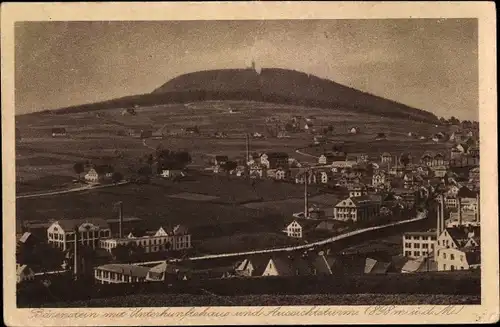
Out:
{"x": 178, "y": 300}
{"x": 103, "y": 135}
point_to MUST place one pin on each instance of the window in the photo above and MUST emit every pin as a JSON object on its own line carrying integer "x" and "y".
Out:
{"x": 444, "y": 255}
{"x": 444, "y": 266}
{"x": 462, "y": 259}
{"x": 408, "y": 245}
{"x": 425, "y": 246}
{"x": 407, "y": 253}
{"x": 452, "y": 267}
{"x": 416, "y": 253}
{"x": 417, "y": 246}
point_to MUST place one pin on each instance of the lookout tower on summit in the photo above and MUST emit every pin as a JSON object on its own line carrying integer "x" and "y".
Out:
{"x": 254, "y": 67}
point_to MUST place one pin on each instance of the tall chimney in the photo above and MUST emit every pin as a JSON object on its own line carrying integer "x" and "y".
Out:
{"x": 438, "y": 218}
{"x": 459, "y": 211}
{"x": 306, "y": 204}
{"x": 76, "y": 259}
{"x": 120, "y": 217}
{"x": 248, "y": 147}
{"x": 442, "y": 213}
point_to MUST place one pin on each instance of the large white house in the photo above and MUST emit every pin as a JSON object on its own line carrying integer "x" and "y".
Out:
{"x": 176, "y": 239}
{"x": 99, "y": 174}
{"x": 359, "y": 208}
{"x": 418, "y": 244}
{"x": 458, "y": 248}
{"x": 61, "y": 233}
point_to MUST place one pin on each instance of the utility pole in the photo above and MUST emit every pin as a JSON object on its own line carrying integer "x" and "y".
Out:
{"x": 76, "y": 261}
{"x": 306, "y": 200}
{"x": 247, "y": 148}
{"x": 120, "y": 218}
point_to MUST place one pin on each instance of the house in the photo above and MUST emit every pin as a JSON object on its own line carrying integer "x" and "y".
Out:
{"x": 473, "y": 151}
{"x": 164, "y": 272}
{"x": 323, "y": 263}
{"x": 304, "y": 175}
{"x": 61, "y": 233}
{"x": 120, "y": 274}
{"x": 433, "y": 159}
{"x": 356, "y": 190}
{"x": 353, "y": 130}
{"x": 378, "y": 179}
{"x": 458, "y": 249}
{"x": 282, "y": 135}
{"x": 386, "y": 158}
{"x": 373, "y": 266}
{"x": 273, "y": 160}
{"x": 99, "y": 174}
{"x": 257, "y": 135}
{"x": 58, "y": 131}
{"x": 257, "y": 170}
{"x": 129, "y": 111}
{"x": 24, "y": 273}
{"x": 459, "y": 150}
{"x": 176, "y": 239}
{"x": 419, "y": 244}
{"x": 361, "y": 208}
{"x": 286, "y": 265}
{"x": 279, "y": 174}
{"x": 406, "y": 196}
{"x": 299, "y": 228}
{"x": 252, "y": 266}
{"x": 172, "y": 173}
{"x": 439, "y": 171}
{"x": 220, "y": 135}
{"x": 474, "y": 174}
{"x": 324, "y": 176}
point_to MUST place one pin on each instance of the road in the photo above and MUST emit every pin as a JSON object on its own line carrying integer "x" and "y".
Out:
{"x": 294, "y": 248}
{"x": 76, "y": 189}
{"x": 306, "y": 154}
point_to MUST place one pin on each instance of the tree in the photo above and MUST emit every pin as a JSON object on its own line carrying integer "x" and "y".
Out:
{"x": 404, "y": 159}
{"x": 454, "y": 121}
{"x": 144, "y": 171}
{"x": 116, "y": 177}
{"x": 79, "y": 167}
{"x": 229, "y": 165}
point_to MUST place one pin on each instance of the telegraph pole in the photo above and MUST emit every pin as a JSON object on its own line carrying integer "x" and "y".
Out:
{"x": 120, "y": 217}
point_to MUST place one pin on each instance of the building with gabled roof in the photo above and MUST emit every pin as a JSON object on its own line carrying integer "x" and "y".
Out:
{"x": 360, "y": 208}
{"x": 287, "y": 265}
{"x": 61, "y": 233}
{"x": 175, "y": 239}
{"x": 252, "y": 266}
{"x": 24, "y": 273}
{"x": 99, "y": 173}
{"x": 373, "y": 266}
{"x": 120, "y": 273}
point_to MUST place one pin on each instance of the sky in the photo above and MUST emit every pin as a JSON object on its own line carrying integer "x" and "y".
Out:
{"x": 431, "y": 64}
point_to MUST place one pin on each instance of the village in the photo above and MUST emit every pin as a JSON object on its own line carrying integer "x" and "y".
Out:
{"x": 360, "y": 192}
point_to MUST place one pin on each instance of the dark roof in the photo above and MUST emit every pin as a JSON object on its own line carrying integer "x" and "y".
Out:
{"x": 71, "y": 224}
{"x": 426, "y": 234}
{"x": 259, "y": 263}
{"x": 221, "y": 158}
{"x": 277, "y": 155}
{"x": 458, "y": 234}
{"x": 58, "y": 130}
{"x": 465, "y": 192}
{"x": 473, "y": 256}
{"x": 306, "y": 224}
{"x": 290, "y": 266}
{"x": 129, "y": 270}
{"x": 373, "y": 266}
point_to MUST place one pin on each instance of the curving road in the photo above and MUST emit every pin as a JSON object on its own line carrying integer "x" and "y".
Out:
{"x": 293, "y": 248}
{"x": 72, "y": 190}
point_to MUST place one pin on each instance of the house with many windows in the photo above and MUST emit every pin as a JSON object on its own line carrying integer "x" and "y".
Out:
{"x": 360, "y": 208}
{"x": 120, "y": 274}
{"x": 418, "y": 244}
{"x": 171, "y": 240}
{"x": 299, "y": 228}
{"x": 61, "y": 233}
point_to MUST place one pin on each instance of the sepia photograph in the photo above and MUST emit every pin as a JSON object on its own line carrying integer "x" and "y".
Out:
{"x": 264, "y": 163}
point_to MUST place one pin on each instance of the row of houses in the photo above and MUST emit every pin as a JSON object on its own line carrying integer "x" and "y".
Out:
{"x": 96, "y": 233}
{"x": 455, "y": 248}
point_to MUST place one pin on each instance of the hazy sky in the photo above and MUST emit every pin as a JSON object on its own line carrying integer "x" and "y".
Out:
{"x": 429, "y": 64}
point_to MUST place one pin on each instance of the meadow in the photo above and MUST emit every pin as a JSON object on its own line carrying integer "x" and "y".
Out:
{"x": 99, "y": 136}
